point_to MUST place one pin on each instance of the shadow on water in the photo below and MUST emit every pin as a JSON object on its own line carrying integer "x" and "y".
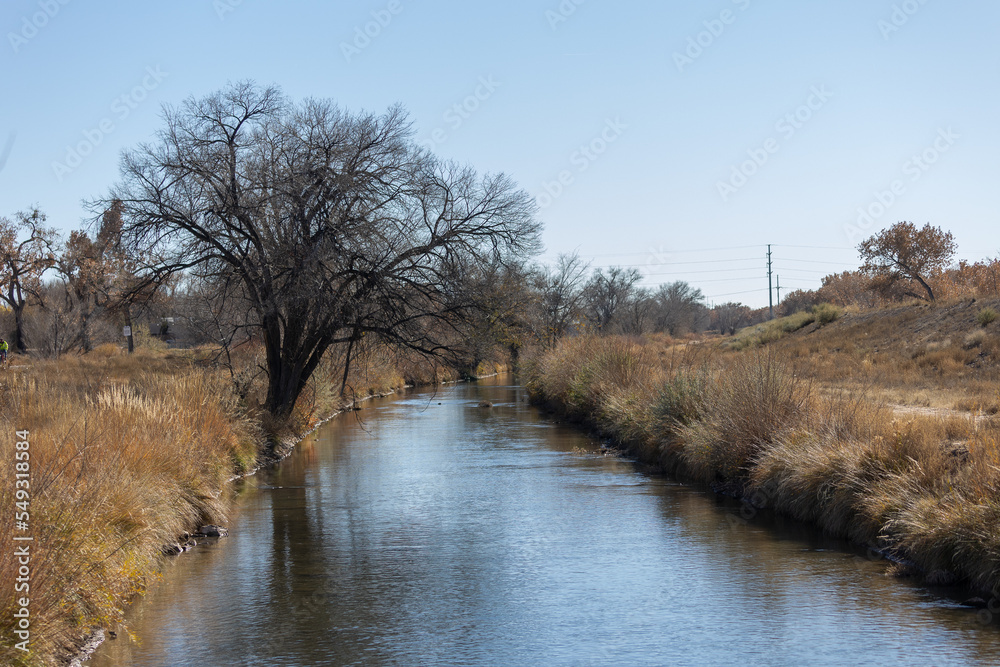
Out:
{"x": 428, "y": 530}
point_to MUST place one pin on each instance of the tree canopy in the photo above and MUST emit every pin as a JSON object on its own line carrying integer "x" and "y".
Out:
{"x": 903, "y": 252}
{"x": 329, "y": 225}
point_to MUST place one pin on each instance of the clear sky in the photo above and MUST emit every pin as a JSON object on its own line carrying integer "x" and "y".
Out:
{"x": 677, "y": 137}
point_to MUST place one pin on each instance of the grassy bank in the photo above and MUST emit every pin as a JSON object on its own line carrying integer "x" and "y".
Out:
{"x": 757, "y": 423}
{"x": 128, "y": 452}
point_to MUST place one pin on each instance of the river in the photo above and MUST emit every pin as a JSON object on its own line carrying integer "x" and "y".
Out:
{"x": 426, "y": 530}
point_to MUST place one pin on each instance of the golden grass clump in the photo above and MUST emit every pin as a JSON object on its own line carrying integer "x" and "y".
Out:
{"x": 835, "y": 426}
{"x": 126, "y": 453}
{"x": 748, "y": 405}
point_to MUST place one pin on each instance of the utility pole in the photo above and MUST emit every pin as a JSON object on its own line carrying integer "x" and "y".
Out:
{"x": 770, "y": 291}
{"x": 778, "y": 288}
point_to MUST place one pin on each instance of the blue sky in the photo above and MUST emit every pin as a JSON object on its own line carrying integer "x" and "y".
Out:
{"x": 677, "y": 137}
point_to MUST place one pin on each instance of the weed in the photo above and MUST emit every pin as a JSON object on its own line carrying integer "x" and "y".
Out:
{"x": 826, "y": 313}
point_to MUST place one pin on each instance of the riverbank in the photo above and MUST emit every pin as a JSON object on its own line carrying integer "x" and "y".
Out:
{"x": 126, "y": 453}
{"x": 924, "y": 488}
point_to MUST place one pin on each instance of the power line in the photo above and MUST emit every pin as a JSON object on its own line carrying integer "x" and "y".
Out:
{"x": 704, "y": 261}
{"x": 734, "y": 279}
{"x": 651, "y": 252}
{"x": 809, "y": 261}
{"x": 691, "y": 273}
{"x": 753, "y": 291}
{"x": 815, "y": 247}
{"x": 825, "y": 273}
{"x": 770, "y": 292}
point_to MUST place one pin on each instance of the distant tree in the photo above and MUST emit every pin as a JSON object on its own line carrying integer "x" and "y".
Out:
{"x": 560, "y": 296}
{"x": 27, "y": 250}
{"x": 728, "y": 318}
{"x": 607, "y": 293}
{"x": 503, "y": 323}
{"x": 903, "y": 252}
{"x": 101, "y": 281}
{"x": 327, "y": 226}
{"x": 854, "y": 288}
{"x": 798, "y": 300}
{"x": 678, "y": 307}
{"x": 637, "y": 313}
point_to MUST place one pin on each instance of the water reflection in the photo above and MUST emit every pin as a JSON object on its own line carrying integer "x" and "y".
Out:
{"x": 422, "y": 533}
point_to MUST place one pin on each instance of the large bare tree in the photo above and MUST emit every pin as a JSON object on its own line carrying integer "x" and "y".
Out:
{"x": 334, "y": 225}
{"x": 607, "y": 295}
{"x": 678, "y": 308}
{"x": 560, "y": 296}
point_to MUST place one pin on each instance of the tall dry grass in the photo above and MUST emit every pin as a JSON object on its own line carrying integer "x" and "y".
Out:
{"x": 130, "y": 451}
{"x": 126, "y": 453}
{"x": 923, "y": 486}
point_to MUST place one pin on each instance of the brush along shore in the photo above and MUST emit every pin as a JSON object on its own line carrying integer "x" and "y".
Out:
{"x": 127, "y": 452}
{"x": 812, "y": 435}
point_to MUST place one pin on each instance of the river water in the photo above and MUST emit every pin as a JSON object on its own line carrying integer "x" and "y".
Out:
{"x": 425, "y": 530}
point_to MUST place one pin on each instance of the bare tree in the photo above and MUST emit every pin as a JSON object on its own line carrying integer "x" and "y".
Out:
{"x": 636, "y": 315}
{"x": 607, "y": 293}
{"x": 27, "y": 250}
{"x": 333, "y": 226}
{"x": 729, "y": 317}
{"x": 560, "y": 299}
{"x": 903, "y": 252}
{"x": 678, "y": 307}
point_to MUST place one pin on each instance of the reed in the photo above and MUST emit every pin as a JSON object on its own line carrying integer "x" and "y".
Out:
{"x": 130, "y": 451}
{"x": 797, "y": 436}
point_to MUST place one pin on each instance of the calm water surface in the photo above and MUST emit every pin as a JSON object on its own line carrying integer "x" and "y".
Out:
{"x": 425, "y": 530}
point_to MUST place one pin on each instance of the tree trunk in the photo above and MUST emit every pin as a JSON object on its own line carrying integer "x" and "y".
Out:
{"x": 283, "y": 388}
{"x": 290, "y": 363}
{"x": 930, "y": 294}
{"x": 128, "y": 323}
{"x": 20, "y": 344}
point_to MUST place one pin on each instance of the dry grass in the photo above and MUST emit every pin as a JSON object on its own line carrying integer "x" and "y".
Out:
{"x": 814, "y": 437}
{"x": 130, "y": 451}
{"x": 126, "y": 453}
{"x": 927, "y": 355}
{"x": 744, "y": 409}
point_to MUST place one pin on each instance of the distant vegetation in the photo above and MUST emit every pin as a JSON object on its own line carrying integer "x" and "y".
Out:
{"x": 879, "y": 426}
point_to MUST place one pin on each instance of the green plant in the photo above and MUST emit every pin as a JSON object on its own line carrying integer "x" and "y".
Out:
{"x": 986, "y": 316}
{"x": 680, "y": 399}
{"x": 826, "y": 313}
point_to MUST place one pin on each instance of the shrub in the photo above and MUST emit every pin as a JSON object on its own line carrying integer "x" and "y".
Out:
{"x": 986, "y": 316}
{"x": 679, "y": 401}
{"x": 826, "y": 313}
{"x": 974, "y": 340}
{"x": 746, "y": 408}
{"x": 768, "y": 332}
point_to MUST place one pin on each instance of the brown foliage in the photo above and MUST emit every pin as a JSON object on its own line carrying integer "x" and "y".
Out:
{"x": 902, "y": 253}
